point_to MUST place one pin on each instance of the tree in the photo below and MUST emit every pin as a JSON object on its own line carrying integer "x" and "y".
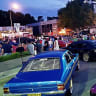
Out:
{"x": 76, "y": 15}
{"x": 28, "y": 19}
{"x": 17, "y": 17}
{"x": 40, "y": 18}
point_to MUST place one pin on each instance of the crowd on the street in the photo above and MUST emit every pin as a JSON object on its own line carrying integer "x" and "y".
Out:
{"x": 35, "y": 45}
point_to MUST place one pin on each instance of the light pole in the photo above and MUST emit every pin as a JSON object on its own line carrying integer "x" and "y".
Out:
{"x": 14, "y": 6}
{"x": 11, "y": 20}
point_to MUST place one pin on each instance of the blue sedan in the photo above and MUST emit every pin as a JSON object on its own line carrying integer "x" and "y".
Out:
{"x": 46, "y": 74}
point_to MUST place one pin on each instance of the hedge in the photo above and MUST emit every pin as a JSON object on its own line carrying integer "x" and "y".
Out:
{"x": 13, "y": 56}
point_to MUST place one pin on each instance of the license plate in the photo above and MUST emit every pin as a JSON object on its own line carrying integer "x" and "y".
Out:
{"x": 35, "y": 94}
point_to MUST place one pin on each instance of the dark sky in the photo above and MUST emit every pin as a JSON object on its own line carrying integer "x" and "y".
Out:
{"x": 35, "y": 7}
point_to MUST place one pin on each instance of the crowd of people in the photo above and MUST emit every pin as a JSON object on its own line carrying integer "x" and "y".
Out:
{"x": 34, "y": 45}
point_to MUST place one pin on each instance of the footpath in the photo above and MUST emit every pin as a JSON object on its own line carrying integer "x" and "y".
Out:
{"x": 11, "y": 67}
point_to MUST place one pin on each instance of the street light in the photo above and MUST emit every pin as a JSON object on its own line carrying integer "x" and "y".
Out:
{"x": 14, "y": 6}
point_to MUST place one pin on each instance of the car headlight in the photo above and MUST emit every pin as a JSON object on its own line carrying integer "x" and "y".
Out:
{"x": 6, "y": 90}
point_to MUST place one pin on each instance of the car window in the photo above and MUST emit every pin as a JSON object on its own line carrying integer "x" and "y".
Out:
{"x": 43, "y": 64}
{"x": 71, "y": 55}
{"x": 68, "y": 58}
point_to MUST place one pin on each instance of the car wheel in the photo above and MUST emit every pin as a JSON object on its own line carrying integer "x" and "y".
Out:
{"x": 69, "y": 91}
{"x": 86, "y": 57}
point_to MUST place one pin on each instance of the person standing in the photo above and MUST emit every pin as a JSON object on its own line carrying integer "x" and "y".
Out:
{"x": 7, "y": 48}
{"x": 1, "y": 50}
{"x": 38, "y": 47}
{"x": 31, "y": 48}
{"x": 46, "y": 46}
{"x": 50, "y": 44}
{"x": 56, "y": 44}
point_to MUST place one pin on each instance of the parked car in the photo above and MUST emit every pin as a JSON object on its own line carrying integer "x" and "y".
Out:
{"x": 61, "y": 43}
{"x": 93, "y": 90}
{"x": 85, "y": 48}
{"x": 46, "y": 74}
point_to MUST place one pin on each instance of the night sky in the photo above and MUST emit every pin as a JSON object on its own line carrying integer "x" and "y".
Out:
{"x": 35, "y": 7}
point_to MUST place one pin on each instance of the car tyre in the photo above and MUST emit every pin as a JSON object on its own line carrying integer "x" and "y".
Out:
{"x": 69, "y": 91}
{"x": 86, "y": 57}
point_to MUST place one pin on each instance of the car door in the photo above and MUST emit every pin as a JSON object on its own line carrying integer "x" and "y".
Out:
{"x": 69, "y": 62}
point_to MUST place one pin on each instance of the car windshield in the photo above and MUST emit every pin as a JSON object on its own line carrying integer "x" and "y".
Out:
{"x": 42, "y": 64}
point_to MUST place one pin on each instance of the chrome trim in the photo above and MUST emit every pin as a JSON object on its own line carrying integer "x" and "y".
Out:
{"x": 51, "y": 92}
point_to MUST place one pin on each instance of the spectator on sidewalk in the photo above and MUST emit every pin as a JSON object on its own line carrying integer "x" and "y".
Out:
{"x": 46, "y": 46}
{"x": 20, "y": 48}
{"x": 50, "y": 44}
{"x": 1, "y": 50}
{"x": 31, "y": 48}
{"x": 38, "y": 47}
{"x": 56, "y": 45}
{"x": 7, "y": 48}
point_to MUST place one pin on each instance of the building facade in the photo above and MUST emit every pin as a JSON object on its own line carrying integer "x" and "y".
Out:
{"x": 45, "y": 27}
{"x": 92, "y": 3}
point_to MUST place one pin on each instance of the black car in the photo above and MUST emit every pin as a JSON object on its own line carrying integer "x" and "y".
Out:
{"x": 85, "y": 48}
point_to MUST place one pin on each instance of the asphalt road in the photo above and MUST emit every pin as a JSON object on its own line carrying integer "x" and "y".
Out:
{"x": 84, "y": 79}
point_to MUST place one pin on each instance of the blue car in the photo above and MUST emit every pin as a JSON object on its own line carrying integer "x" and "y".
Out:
{"x": 46, "y": 74}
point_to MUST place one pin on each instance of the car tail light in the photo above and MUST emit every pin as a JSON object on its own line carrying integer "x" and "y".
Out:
{"x": 6, "y": 90}
{"x": 61, "y": 86}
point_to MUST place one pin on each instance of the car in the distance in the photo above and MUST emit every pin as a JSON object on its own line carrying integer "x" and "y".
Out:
{"x": 46, "y": 74}
{"x": 85, "y": 48}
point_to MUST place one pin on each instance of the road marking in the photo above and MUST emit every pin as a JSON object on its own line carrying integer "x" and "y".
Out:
{"x": 8, "y": 76}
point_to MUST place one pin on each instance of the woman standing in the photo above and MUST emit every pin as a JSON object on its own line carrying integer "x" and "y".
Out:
{"x": 56, "y": 45}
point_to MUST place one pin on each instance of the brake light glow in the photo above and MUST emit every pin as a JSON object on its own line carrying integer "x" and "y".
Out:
{"x": 61, "y": 87}
{"x": 6, "y": 90}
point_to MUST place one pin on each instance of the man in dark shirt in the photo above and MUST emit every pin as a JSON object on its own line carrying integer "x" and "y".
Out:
{"x": 7, "y": 48}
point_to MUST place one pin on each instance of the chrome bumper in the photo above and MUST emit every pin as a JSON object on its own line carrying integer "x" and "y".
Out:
{"x": 45, "y": 93}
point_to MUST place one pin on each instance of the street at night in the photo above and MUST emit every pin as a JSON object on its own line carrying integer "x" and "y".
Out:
{"x": 83, "y": 79}
{"x": 48, "y": 48}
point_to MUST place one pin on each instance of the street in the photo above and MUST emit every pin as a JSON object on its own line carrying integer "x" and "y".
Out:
{"x": 84, "y": 79}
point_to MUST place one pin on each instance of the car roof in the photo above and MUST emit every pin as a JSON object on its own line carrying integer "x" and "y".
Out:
{"x": 50, "y": 54}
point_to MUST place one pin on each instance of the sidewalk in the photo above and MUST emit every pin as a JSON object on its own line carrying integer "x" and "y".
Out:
{"x": 11, "y": 67}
